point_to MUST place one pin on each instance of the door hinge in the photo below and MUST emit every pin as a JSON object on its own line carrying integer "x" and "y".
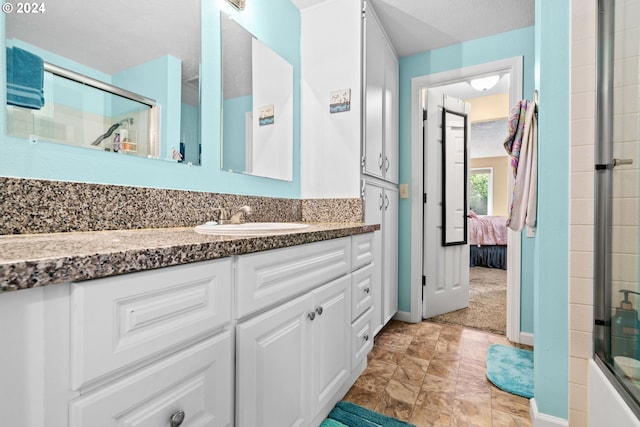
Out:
{"x": 599, "y": 322}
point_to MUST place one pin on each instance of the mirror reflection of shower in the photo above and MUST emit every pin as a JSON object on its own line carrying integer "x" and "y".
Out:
{"x": 120, "y": 139}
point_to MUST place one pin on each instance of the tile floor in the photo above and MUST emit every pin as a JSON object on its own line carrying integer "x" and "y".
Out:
{"x": 434, "y": 375}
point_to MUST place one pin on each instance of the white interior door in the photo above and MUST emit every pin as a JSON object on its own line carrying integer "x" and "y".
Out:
{"x": 446, "y": 268}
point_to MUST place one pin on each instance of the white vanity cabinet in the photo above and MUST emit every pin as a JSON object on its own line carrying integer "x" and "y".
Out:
{"x": 270, "y": 338}
{"x": 129, "y": 350}
{"x": 153, "y": 346}
{"x": 300, "y": 353}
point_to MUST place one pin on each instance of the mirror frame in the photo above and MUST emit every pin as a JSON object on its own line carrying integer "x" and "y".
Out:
{"x": 449, "y": 173}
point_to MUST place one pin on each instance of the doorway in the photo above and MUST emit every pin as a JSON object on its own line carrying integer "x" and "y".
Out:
{"x": 512, "y": 68}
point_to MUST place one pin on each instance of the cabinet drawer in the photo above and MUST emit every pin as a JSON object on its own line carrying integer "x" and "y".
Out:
{"x": 361, "y": 250}
{"x": 361, "y": 291}
{"x": 120, "y": 321}
{"x": 361, "y": 338}
{"x": 266, "y": 278}
{"x": 196, "y": 380}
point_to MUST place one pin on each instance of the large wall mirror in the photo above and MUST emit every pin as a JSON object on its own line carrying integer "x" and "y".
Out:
{"x": 454, "y": 178}
{"x": 121, "y": 77}
{"x": 257, "y": 105}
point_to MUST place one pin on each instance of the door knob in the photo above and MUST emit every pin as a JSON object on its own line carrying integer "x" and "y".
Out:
{"x": 367, "y": 290}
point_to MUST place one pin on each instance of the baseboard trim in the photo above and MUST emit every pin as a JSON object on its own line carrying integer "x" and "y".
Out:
{"x": 403, "y": 316}
{"x": 543, "y": 420}
{"x": 526, "y": 338}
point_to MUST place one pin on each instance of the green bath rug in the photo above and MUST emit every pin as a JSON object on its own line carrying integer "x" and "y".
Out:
{"x": 511, "y": 369}
{"x": 347, "y": 414}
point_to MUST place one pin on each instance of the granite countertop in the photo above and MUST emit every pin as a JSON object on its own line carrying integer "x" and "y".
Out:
{"x": 32, "y": 260}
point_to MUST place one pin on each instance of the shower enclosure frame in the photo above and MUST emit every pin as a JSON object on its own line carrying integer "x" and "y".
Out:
{"x": 603, "y": 215}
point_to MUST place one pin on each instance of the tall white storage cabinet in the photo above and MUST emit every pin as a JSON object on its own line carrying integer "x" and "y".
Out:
{"x": 380, "y": 148}
{"x": 380, "y": 162}
{"x": 381, "y": 206}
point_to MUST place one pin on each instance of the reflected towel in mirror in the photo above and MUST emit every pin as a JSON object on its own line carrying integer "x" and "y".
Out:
{"x": 25, "y": 79}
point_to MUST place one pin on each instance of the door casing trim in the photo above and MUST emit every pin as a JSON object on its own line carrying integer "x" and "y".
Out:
{"x": 513, "y": 67}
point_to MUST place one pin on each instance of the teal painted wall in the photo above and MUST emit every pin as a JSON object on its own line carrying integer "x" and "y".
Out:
{"x": 161, "y": 80}
{"x": 189, "y": 124}
{"x": 276, "y": 22}
{"x": 487, "y": 49}
{"x": 551, "y": 324}
{"x": 234, "y": 131}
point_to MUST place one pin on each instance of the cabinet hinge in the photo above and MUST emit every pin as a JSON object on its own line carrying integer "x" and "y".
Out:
{"x": 424, "y": 280}
{"x": 424, "y": 197}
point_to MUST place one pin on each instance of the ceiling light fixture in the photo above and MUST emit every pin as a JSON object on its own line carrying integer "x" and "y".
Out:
{"x": 238, "y": 4}
{"x": 484, "y": 83}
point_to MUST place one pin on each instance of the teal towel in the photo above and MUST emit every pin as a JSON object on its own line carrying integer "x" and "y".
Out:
{"x": 25, "y": 79}
{"x": 349, "y": 419}
{"x": 353, "y": 415}
{"x": 328, "y": 422}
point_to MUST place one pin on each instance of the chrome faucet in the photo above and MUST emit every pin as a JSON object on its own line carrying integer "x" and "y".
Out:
{"x": 233, "y": 218}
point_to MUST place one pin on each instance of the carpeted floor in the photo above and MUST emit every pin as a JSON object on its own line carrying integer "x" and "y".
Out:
{"x": 487, "y": 309}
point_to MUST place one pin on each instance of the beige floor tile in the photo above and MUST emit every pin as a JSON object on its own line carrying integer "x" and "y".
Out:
{"x": 434, "y": 375}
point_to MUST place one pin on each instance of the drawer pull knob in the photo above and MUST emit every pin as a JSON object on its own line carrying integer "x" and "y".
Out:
{"x": 319, "y": 310}
{"x": 367, "y": 290}
{"x": 177, "y": 418}
{"x": 312, "y": 315}
{"x": 366, "y": 337}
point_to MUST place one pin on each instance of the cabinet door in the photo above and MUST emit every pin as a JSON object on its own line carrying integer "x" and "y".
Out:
{"x": 331, "y": 340}
{"x": 390, "y": 114}
{"x": 390, "y": 254}
{"x": 374, "y": 86}
{"x": 373, "y": 210}
{"x": 273, "y": 352}
{"x": 196, "y": 381}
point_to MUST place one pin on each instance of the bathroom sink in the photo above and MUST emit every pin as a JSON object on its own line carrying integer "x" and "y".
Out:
{"x": 249, "y": 228}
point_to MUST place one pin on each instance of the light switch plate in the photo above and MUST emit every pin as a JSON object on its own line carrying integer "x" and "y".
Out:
{"x": 404, "y": 191}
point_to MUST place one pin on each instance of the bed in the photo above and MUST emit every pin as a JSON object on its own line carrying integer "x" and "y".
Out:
{"x": 487, "y": 241}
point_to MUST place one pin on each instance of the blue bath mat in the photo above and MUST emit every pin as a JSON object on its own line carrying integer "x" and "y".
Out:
{"x": 347, "y": 414}
{"x": 511, "y": 369}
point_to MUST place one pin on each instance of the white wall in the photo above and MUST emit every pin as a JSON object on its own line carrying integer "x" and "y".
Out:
{"x": 272, "y": 85}
{"x": 330, "y": 143}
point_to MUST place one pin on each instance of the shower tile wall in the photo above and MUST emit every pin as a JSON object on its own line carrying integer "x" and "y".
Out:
{"x": 583, "y": 91}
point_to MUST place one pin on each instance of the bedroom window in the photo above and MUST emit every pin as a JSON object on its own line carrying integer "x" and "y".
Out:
{"x": 481, "y": 191}
{"x": 617, "y": 200}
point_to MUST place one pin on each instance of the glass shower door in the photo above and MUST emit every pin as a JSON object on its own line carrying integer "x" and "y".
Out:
{"x": 617, "y": 237}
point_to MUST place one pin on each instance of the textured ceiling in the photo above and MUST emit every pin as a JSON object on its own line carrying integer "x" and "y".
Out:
{"x": 114, "y": 35}
{"x": 420, "y": 25}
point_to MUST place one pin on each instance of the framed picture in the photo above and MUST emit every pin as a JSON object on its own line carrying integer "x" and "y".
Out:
{"x": 340, "y": 101}
{"x": 266, "y": 115}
